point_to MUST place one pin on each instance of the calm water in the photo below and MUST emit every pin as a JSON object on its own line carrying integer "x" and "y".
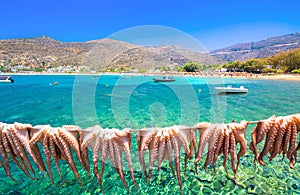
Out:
{"x": 137, "y": 102}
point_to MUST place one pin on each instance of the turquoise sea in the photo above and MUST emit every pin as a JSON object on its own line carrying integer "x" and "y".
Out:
{"x": 117, "y": 101}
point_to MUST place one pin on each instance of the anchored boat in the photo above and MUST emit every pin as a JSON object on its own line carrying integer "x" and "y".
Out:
{"x": 230, "y": 89}
{"x": 6, "y": 79}
{"x": 164, "y": 79}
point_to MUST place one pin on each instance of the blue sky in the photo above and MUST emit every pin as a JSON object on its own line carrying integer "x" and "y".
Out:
{"x": 215, "y": 23}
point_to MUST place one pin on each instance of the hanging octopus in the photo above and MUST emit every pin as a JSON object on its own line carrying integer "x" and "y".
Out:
{"x": 162, "y": 143}
{"x": 110, "y": 143}
{"x": 23, "y": 145}
{"x": 281, "y": 137}
{"x": 57, "y": 143}
{"x": 14, "y": 142}
{"x": 221, "y": 139}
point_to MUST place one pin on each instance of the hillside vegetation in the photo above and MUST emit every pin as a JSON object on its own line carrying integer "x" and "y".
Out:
{"x": 283, "y": 62}
{"x": 107, "y": 55}
{"x": 46, "y": 54}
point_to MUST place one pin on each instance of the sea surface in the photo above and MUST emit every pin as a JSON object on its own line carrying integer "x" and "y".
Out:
{"x": 118, "y": 101}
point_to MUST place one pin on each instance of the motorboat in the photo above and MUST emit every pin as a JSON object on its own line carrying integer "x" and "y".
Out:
{"x": 6, "y": 79}
{"x": 230, "y": 89}
{"x": 164, "y": 79}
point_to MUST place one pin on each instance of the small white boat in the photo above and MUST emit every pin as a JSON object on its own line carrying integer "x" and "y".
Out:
{"x": 164, "y": 79}
{"x": 6, "y": 79}
{"x": 230, "y": 89}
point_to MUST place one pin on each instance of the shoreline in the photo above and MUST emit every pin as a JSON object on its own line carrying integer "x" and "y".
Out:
{"x": 280, "y": 77}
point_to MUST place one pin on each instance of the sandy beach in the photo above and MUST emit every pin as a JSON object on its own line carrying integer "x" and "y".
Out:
{"x": 284, "y": 77}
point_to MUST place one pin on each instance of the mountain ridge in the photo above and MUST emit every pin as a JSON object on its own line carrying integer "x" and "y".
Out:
{"x": 258, "y": 49}
{"x": 103, "y": 54}
{"x": 46, "y": 53}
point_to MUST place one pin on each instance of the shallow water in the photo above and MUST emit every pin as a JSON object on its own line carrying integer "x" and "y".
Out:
{"x": 137, "y": 102}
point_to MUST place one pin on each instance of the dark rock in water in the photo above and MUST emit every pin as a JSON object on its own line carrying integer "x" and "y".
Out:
{"x": 296, "y": 186}
{"x": 206, "y": 190}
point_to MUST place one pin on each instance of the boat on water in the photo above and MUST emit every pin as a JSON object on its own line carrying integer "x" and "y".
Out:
{"x": 6, "y": 79}
{"x": 230, "y": 89}
{"x": 164, "y": 79}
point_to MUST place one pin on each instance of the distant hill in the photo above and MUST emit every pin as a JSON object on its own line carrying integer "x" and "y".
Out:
{"x": 161, "y": 56}
{"x": 259, "y": 49}
{"x": 45, "y": 52}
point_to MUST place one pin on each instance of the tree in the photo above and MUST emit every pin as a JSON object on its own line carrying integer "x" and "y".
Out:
{"x": 192, "y": 67}
{"x": 281, "y": 63}
{"x": 255, "y": 65}
{"x": 286, "y": 61}
{"x": 233, "y": 66}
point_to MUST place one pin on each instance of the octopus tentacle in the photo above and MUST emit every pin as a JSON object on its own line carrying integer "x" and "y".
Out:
{"x": 21, "y": 145}
{"x": 65, "y": 149}
{"x": 279, "y": 139}
{"x": 169, "y": 155}
{"x": 239, "y": 131}
{"x": 125, "y": 142}
{"x": 112, "y": 154}
{"x": 95, "y": 162}
{"x": 4, "y": 156}
{"x": 104, "y": 154}
{"x": 220, "y": 143}
{"x": 15, "y": 153}
{"x": 267, "y": 125}
{"x": 233, "y": 155}
{"x": 287, "y": 138}
{"x": 177, "y": 161}
{"x": 111, "y": 143}
{"x": 37, "y": 132}
{"x": 161, "y": 152}
{"x": 212, "y": 144}
{"x": 182, "y": 139}
{"x": 258, "y": 132}
{"x": 9, "y": 150}
{"x": 226, "y": 149}
{"x": 153, "y": 154}
{"x": 144, "y": 137}
{"x": 87, "y": 139}
{"x": 47, "y": 153}
{"x": 205, "y": 133}
{"x": 20, "y": 132}
{"x": 182, "y": 136}
{"x": 55, "y": 152}
{"x": 22, "y": 153}
{"x": 118, "y": 156}
{"x": 271, "y": 135}
{"x": 192, "y": 137}
{"x": 292, "y": 145}
{"x": 71, "y": 140}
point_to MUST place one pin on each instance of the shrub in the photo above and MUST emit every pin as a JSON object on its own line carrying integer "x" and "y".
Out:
{"x": 296, "y": 71}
